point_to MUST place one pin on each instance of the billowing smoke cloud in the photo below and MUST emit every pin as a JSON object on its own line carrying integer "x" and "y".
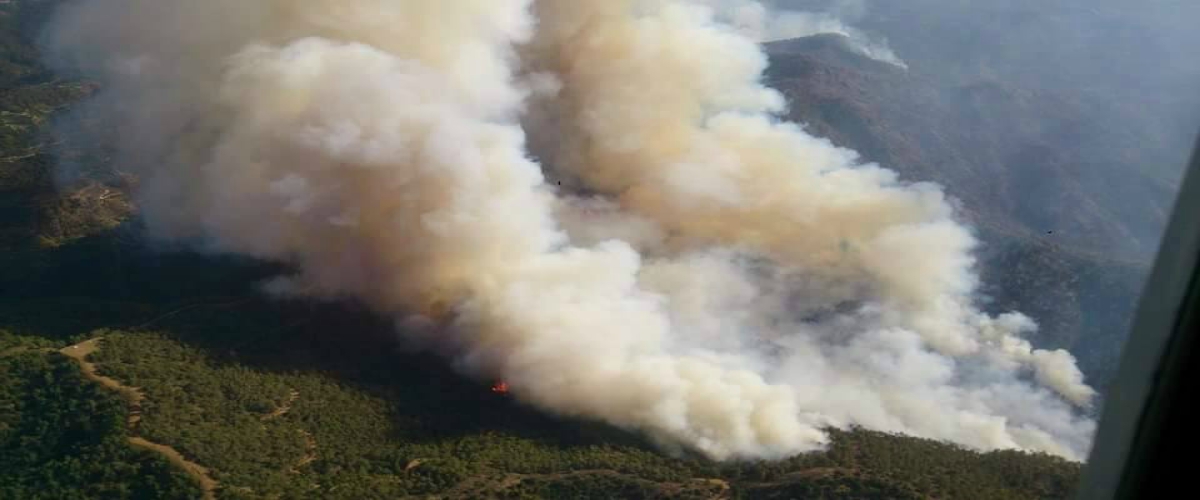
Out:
{"x": 676, "y": 261}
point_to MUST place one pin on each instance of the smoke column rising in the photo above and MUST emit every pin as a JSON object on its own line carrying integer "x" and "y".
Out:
{"x": 705, "y": 274}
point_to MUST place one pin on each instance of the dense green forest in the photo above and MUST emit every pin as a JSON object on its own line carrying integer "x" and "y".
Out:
{"x": 63, "y": 437}
{"x": 281, "y": 399}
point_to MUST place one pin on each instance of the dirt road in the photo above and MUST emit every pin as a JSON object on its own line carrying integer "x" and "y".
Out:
{"x": 134, "y": 396}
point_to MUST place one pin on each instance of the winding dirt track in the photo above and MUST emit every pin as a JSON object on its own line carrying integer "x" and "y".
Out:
{"x": 134, "y": 396}
{"x": 283, "y": 409}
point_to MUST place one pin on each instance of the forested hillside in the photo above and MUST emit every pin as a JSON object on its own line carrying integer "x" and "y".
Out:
{"x": 277, "y": 399}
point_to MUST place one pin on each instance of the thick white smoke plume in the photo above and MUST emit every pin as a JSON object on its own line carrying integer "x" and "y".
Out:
{"x": 693, "y": 268}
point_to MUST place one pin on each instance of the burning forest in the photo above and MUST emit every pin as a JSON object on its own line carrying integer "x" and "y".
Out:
{"x": 677, "y": 260}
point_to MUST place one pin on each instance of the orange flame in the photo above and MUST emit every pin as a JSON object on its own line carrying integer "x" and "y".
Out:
{"x": 501, "y": 387}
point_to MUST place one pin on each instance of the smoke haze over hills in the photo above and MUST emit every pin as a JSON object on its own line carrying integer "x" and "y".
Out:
{"x": 1100, "y": 107}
